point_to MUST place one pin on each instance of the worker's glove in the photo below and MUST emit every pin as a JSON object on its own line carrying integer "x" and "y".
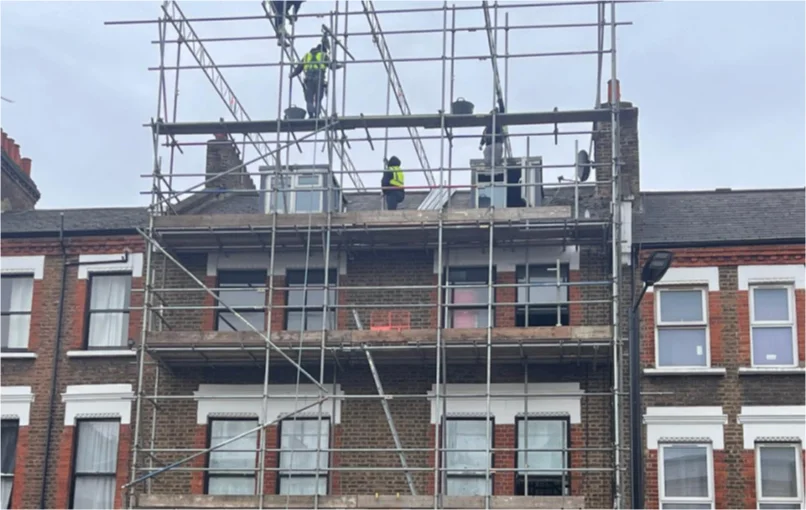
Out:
{"x": 481, "y": 147}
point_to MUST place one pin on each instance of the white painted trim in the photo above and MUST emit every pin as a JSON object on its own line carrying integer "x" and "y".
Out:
{"x": 97, "y": 400}
{"x": 507, "y": 259}
{"x": 790, "y": 323}
{"x": 772, "y": 370}
{"x": 626, "y": 232}
{"x": 247, "y": 401}
{"x": 693, "y": 276}
{"x": 685, "y": 371}
{"x": 560, "y": 398}
{"x": 134, "y": 265}
{"x": 34, "y": 264}
{"x": 769, "y": 501}
{"x": 704, "y": 323}
{"x": 15, "y": 402}
{"x": 112, "y": 353}
{"x": 17, "y": 355}
{"x": 780, "y": 273}
{"x": 662, "y": 498}
{"x": 283, "y": 261}
{"x": 772, "y": 421}
{"x": 685, "y": 422}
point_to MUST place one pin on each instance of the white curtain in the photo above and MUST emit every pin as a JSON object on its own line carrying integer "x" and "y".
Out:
{"x": 466, "y": 435}
{"x": 229, "y": 479}
{"x": 18, "y": 293}
{"x": 109, "y": 329}
{"x": 549, "y": 434}
{"x": 299, "y": 441}
{"x": 685, "y": 471}
{"x": 5, "y": 492}
{"x": 96, "y": 464}
{"x": 779, "y": 477}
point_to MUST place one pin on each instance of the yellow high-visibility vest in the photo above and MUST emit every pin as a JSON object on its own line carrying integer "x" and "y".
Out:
{"x": 397, "y": 176}
{"x": 313, "y": 62}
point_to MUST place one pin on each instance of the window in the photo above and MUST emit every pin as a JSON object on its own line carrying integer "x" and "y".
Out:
{"x": 95, "y": 462}
{"x": 17, "y": 294}
{"x": 8, "y": 450}
{"x": 552, "y": 479}
{"x": 299, "y": 441}
{"x": 231, "y": 468}
{"x": 779, "y": 478}
{"x": 305, "y": 307}
{"x": 244, "y": 292}
{"x": 682, "y": 328}
{"x": 298, "y": 193}
{"x": 686, "y": 477}
{"x": 772, "y": 326}
{"x": 540, "y": 301}
{"x": 109, "y": 311}
{"x": 467, "y": 297}
{"x": 466, "y": 470}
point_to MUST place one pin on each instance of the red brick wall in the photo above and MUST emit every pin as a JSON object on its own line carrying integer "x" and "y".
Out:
{"x": 65, "y": 470}
{"x": 749, "y": 475}
{"x": 124, "y": 450}
{"x": 278, "y": 312}
{"x": 197, "y": 477}
{"x": 504, "y": 481}
{"x": 505, "y": 315}
{"x": 271, "y": 460}
{"x": 577, "y": 458}
{"x": 20, "y": 471}
{"x": 575, "y": 311}
{"x": 335, "y": 461}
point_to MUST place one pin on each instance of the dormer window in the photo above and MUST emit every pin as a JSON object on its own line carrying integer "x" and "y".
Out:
{"x": 302, "y": 193}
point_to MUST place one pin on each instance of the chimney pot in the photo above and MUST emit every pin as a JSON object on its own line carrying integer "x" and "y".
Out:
{"x": 220, "y": 136}
{"x": 15, "y": 153}
{"x": 613, "y": 93}
{"x": 26, "y": 166}
{"x": 7, "y": 147}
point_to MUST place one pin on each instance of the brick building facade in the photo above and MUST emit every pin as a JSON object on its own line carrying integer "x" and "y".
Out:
{"x": 70, "y": 371}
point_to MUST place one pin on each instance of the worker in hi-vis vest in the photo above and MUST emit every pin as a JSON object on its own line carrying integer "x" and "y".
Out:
{"x": 315, "y": 63}
{"x": 392, "y": 184}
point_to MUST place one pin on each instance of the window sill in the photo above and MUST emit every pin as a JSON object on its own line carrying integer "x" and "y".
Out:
{"x": 112, "y": 353}
{"x": 17, "y": 355}
{"x": 685, "y": 371}
{"x": 771, "y": 370}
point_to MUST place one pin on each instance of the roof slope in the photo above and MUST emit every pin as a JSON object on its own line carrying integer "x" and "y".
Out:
{"x": 48, "y": 221}
{"x": 721, "y": 216}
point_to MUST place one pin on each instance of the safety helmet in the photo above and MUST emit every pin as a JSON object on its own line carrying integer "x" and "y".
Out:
{"x": 393, "y": 161}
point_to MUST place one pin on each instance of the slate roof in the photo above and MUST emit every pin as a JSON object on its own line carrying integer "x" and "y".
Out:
{"x": 721, "y": 216}
{"x": 95, "y": 220}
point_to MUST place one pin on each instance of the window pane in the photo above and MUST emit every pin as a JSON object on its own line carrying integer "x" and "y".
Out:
{"x": 308, "y": 201}
{"x": 227, "y": 321}
{"x": 225, "y": 457}
{"x": 770, "y": 304}
{"x": 772, "y": 346}
{"x": 779, "y": 477}
{"x": 299, "y": 444}
{"x": 8, "y": 446}
{"x": 542, "y": 434}
{"x": 469, "y": 296}
{"x": 94, "y": 492}
{"x": 467, "y": 435}
{"x": 303, "y": 485}
{"x": 5, "y": 492}
{"x": 681, "y": 347}
{"x": 97, "y": 450}
{"x": 243, "y": 298}
{"x": 685, "y": 472}
{"x": 108, "y": 329}
{"x": 110, "y": 292}
{"x": 681, "y": 306}
{"x": 460, "y": 318}
{"x": 15, "y": 331}
{"x": 231, "y": 485}
{"x": 308, "y": 180}
{"x": 782, "y": 506}
{"x": 542, "y": 294}
{"x": 466, "y": 486}
{"x": 313, "y": 321}
{"x": 17, "y": 294}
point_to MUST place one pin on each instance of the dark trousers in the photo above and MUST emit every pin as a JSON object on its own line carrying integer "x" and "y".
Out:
{"x": 315, "y": 90}
{"x": 393, "y": 197}
{"x": 282, "y": 8}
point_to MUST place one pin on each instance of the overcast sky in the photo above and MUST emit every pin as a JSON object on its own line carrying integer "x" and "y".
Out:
{"x": 720, "y": 88}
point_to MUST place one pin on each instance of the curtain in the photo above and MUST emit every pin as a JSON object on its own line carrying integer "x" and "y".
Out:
{"x": 303, "y": 485}
{"x": 685, "y": 471}
{"x": 5, "y": 491}
{"x": 230, "y": 480}
{"x": 8, "y": 443}
{"x": 17, "y": 296}
{"x": 549, "y": 434}
{"x": 109, "y": 329}
{"x": 778, "y": 472}
{"x": 96, "y": 464}
{"x": 299, "y": 443}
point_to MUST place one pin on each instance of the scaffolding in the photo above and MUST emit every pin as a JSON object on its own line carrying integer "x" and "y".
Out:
{"x": 441, "y": 224}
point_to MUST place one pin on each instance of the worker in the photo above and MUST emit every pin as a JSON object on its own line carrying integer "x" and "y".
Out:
{"x": 493, "y": 143}
{"x": 282, "y": 11}
{"x": 315, "y": 63}
{"x": 392, "y": 184}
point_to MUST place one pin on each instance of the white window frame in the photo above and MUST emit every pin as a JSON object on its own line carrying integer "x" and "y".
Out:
{"x": 792, "y": 322}
{"x": 471, "y": 475}
{"x": 311, "y": 476}
{"x": 75, "y": 475}
{"x": 290, "y": 194}
{"x": 10, "y": 476}
{"x": 760, "y": 500}
{"x": 29, "y": 312}
{"x": 663, "y": 499}
{"x": 211, "y": 472}
{"x": 659, "y": 324}
{"x": 90, "y": 311}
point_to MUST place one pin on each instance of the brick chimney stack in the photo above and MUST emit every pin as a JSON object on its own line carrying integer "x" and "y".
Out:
{"x": 19, "y": 192}
{"x": 222, "y": 155}
{"x": 628, "y": 148}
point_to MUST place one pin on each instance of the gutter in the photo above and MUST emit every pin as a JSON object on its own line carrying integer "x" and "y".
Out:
{"x": 57, "y": 349}
{"x": 715, "y": 244}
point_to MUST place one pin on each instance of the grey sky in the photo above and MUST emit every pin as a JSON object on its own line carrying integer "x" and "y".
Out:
{"x": 720, "y": 87}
